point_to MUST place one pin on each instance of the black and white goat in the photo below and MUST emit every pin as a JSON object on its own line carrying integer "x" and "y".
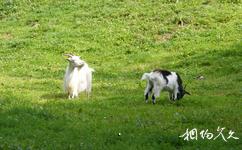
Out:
{"x": 78, "y": 77}
{"x": 162, "y": 80}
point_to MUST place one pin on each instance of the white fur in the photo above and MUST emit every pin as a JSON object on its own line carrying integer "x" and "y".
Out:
{"x": 161, "y": 85}
{"x": 157, "y": 83}
{"x": 78, "y": 77}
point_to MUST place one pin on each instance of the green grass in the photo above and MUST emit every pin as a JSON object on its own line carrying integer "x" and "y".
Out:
{"x": 121, "y": 40}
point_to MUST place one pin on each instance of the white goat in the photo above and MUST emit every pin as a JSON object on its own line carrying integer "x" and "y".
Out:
{"x": 162, "y": 80}
{"x": 78, "y": 77}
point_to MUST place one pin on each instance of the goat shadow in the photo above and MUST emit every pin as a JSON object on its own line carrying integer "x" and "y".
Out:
{"x": 55, "y": 96}
{"x": 60, "y": 96}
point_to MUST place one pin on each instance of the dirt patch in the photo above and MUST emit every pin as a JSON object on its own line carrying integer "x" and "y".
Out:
{"x": 163, "y": 37}
{"x": 6, "y": 36}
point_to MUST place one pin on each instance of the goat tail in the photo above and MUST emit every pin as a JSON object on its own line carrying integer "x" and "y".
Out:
{"x": 145, "y": 76}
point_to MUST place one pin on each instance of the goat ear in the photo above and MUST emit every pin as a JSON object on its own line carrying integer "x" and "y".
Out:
{"x": 187, "y": 93}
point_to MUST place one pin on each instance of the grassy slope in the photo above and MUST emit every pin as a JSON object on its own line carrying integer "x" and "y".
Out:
{"x": 121, "y": 40}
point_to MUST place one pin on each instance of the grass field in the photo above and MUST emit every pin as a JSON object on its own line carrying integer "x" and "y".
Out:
{"x": 121, "y": 40}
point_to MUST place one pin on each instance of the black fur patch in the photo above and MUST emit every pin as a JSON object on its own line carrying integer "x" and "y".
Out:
{"x": 164, "y": 73}
{"x": 147, "y": 96}
{"x": 149, "y": 92}
{"x": 180, "y": 87}
{"x": 153, "y": 99}
{"x": 179, "y": 80}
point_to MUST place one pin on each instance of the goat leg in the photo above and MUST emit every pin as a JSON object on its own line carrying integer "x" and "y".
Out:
{"x": 153, "y": 98}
